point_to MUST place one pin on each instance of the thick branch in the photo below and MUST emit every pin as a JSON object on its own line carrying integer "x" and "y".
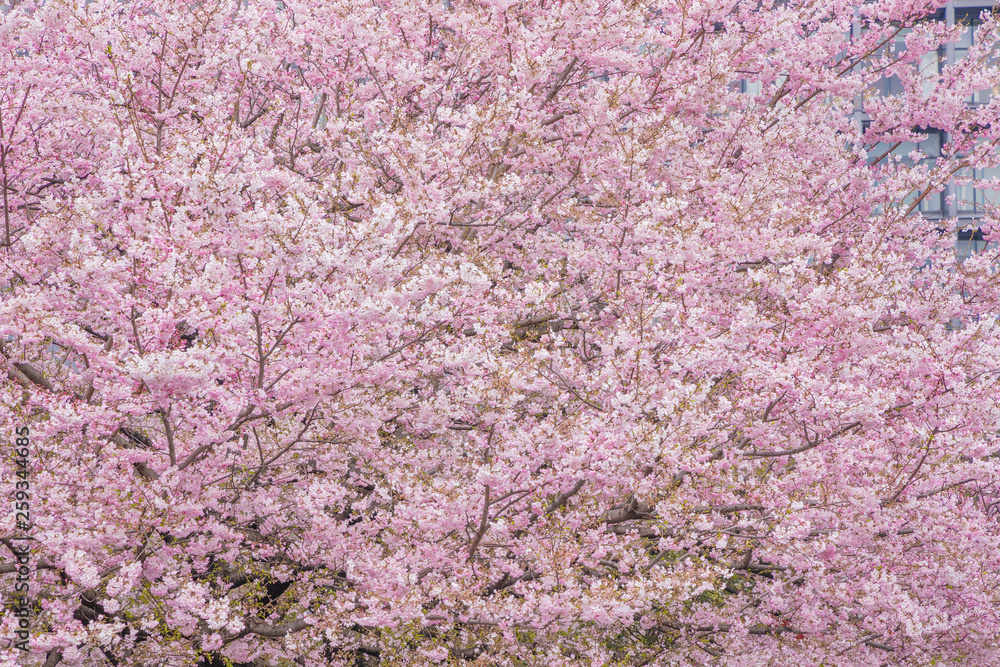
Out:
{"x": 560, "y": 82}
{"x": 169, "y": 429}
{"x": 561, "y": 499}
{"x": 33, "y": 374}
{"x": 275, "y": 631}
{"x": 632, "y": 509}
{"x": 728, "y": 509}
{"x": 53, "y": 658}
{"x": 484, "y": 523}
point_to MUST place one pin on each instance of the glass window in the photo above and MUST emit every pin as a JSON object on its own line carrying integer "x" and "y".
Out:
{"x": 891, "y": 85}
{"x": 970, "y": 19}
{"x": 969, "y": 242}
{"x": 930, "y": 148}
{"x": 751, "y": 88}
{"x": 973, "y": 198}
{"x": 930, "y": 67}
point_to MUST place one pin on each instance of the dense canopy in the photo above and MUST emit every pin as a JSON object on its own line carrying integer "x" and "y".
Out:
{"x": 482, "y": 332}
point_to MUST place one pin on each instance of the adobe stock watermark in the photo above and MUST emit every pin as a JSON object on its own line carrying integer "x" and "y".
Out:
{"x": 20, "y": 542}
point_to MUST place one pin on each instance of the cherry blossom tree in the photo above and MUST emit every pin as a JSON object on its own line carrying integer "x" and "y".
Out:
{"x": 480, "y": 332}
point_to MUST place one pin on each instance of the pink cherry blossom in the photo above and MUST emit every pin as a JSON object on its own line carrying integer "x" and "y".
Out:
{"x": 508, "y": 333}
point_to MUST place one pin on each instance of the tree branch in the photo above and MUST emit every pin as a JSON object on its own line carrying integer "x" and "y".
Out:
{"x": 257, "y": 627}
{"x": 53, "y": 658}
{"x": 632, "y": 509}
{"x": 33, "y": 374}
{"x": 484, "y": 522}
{"x": 810, "y": 444}
{"x": 170, "y": 436}
{"x": 561, "y": 499}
